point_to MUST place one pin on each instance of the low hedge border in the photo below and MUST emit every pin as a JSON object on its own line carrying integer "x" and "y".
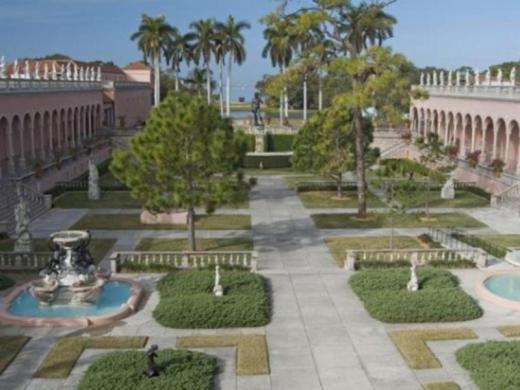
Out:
{"x": 494, "y": 250}
{"x": 252, "y": 354}
{"x": 252, "y": 161}
{"x": 493, "y": 365}
{"x": 10, "y": 347}
{"x": 412, "y": 345}
{"x": 441, "y": 386}
{"x": 452, "y": 264}
{"x": 6, "y": 282}
{"x": 509, "y": 331}
{"x": 179, "y": 370}
{"x": 324, "y": 186}
{"x": 65, "y": 353}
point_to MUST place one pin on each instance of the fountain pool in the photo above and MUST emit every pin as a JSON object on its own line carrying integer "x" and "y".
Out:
{"x": 113, "y": 295}
{"x": 502, "y": 289}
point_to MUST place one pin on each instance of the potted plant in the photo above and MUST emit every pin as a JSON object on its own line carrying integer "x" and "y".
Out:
{"x": 497, "y": 166}
{"x": 58, "y": 154}
{"x": 407, "y": 137}
{"x": 37, "y": 167}
{"x": 452, "y": 151}
{"x": 472, "y": 158}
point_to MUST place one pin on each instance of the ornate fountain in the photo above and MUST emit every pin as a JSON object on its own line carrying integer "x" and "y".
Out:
{"x": 70, "y": 276}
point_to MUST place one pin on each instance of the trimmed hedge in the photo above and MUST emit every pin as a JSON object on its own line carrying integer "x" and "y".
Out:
{"x": 324, "y": 186}
{"x": 493, "y": 365}
{"x": 187, "y": 300}
{"x": 179, "y": 370}
{"x": 378, "y": 264}
{"x": 6, "y": 282}
{"x": 493, "y": 249}
{"x": 404, "y": 167}
{"x": 439, "y": 298}
{"x": 253, "y": 161}
{"x": 278, "y": 142}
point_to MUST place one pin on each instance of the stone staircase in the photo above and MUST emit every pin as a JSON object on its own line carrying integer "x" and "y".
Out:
{"x": 508, "y": 199}
{"x": 36, "y": 202}
{"x": 389, "y": 143}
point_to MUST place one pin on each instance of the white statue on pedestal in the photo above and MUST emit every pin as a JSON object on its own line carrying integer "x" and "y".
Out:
{"x": 413, "y": 284}
{"x": 93, "y": 181}
{"x": 15, "y": 74}
{"x": 93, "y": 74}
{"x": 75, "y": 75}
{"x": 68, "y": 74}
{"x": 435, "y": 78}
{"x": 37, "y": 71}
{"x": 450, "y": 78}
{"x": 217, "y": 288}
{"x": 448, "y": 189}
{"x": 488, "y": 77}
{"x": 428, "y": 79}
{"x": 2, "y": 68}
{"x": 442, "y": 81}
{"x": 466, "y": 81}
{"x": 62, "y": 73}
{"x": 477, "y": 77}
{"x": 500, "y": 76}
{"x": 81, "y": 74}
{"x": 457, "y": 79}
{"x": 99, "y": 73}
{"x": 87, "y": 74}
{"x": 27, "y": 74}
{"x": 23, "y": 241}
{"x": 46, "y": 71}
{"x": 512, "y": 76}
{"x": 422, "y": 78}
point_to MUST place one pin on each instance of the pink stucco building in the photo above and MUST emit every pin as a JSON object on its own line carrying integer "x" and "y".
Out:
{"x": 57, "y": 105}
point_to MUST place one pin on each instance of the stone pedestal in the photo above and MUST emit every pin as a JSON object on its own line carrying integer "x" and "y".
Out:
{"x": 448, "y": 190}
{"x": 24, "y": 242}
{"x": 259, "y": 143}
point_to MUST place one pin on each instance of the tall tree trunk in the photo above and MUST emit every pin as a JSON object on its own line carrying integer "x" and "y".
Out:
{"x": 320, "y": 91}
{"x": 157, "y": 79}
{"x": 208, "y": 82}
{"x": 285, "y": 98}
{"x": 191, "y": 229}
{"x": 305, "y": 98}
{"x": 360, "y": 162}
{"x": 221, "y": 87}
{"x": 176, "y": 80}
{"x": 281, "y": 109}
{"x": 228, "y": 86}
{"x": 339, "y": 190}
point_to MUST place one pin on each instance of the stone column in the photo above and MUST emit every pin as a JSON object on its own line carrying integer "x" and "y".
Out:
{"x": 51, "y": 128}
{"x": 506, "y": 156}
{"x": 33, "y": 144}
{"x": 473, "y": 135}
{"x": 495, "y": 136}
{"x": 42, "y": 142}
{"x": 22, "y": 144}
{"x": 462, "y": 151}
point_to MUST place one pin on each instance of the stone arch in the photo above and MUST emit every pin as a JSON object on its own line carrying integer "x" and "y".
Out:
{"x": 514, "y": 145}
{"x": 4, "y": 147}
{"x": 428, "y": 122}
{"x": 415, "y": 120}
{"x": 450, "y": 132}
{"x": 38, "y": 135}
{"x": 98, "y": 116}
{"x": 435, "y": 122}
{"x": 62, "y": 139}
{"x": 422, "y": 125}
{"x": 16, "y": 131}
{"x": 55, "y": 133}
{"x": 47, "y": 135}
{"x": 442, "y": 130}
{"x": 478, "y": 142}
{"x": 501, "y": 130}
{"x": 75, "y": 127}
{"x": 27, "y": 140}
{"x": 70, "y": 129}
{"x": 468, "y": 134}
{"x": 488, "y": 140}
{"x": 459, "y": 129}
{"x": 87, "y": 122}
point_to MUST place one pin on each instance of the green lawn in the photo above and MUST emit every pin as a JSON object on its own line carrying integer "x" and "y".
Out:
{"x": 112, "y": 199}
{"x": 338, "y": 245}
{"x": 131, "y": 221}
{"x": 493, "y": 365}
{"x": 383, "y": 220}
{"x": 98, "y": 247}
{"x": 505, "y": 241}
{"x": 187, "y": 302}
{"x": 299, "y": 178}
{"x": 203, "y": 244}
{"x": 439, "y": 299}
{"x": 271, "y": 172}
{"x": 328, "y": 199}
{"x": 463, "y": 199}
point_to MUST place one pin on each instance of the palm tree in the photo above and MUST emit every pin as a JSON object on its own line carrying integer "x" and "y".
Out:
{"x": 233, "y": 41}
{"x": 152, "y": 37}
{"x": 220, "y": 58}
{"x": 179, "y": 50}
{"x": 204, "y": 46}
{"x": 196, "y": 81}
{"x": 280, "y": 49}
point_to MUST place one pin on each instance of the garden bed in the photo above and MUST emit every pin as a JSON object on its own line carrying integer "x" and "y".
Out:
{"x": 384, "y": 220}
{"x": 328, "y": 199}
{"x": 203, "y": 244}
{"x": 187, "y": 301}
{"x": 179, "y": 370}
{"x": 439, "y": 299}
{"x": 493, "y": 365}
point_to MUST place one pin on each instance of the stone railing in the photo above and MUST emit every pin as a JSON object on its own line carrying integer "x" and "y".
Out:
{"x": 17, "y": 261}
{"x": 509, "y": 198}
{"x": 20, "y": 85}
{"x": 185, "y": 260}
{"x": 419, "y": 256}
{"x": 472, "y": 91}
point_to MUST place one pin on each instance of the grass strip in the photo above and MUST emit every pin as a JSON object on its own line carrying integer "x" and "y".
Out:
{"x": 10, "y": 346}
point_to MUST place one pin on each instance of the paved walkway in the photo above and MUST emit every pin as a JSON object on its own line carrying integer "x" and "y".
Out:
{"x": 320, "y": 336}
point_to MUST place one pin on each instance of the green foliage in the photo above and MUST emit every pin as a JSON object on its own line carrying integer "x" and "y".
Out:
{"x": 179, "y": 370}
{"x": 5, "y": 282}
{"x": 427, "y": 240}
{"x": 491, "y": 248}
{"x": 405, "y": 168}
{"x": 493, "y": 364}
{"x": 268, "y": 162}
{"x": 279, "y": 142}
{"x": 439, "y": 298}
{"x": 187, "y": 300}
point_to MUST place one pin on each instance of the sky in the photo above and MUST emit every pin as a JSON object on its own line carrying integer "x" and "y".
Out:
{"x": 443, "y": 33}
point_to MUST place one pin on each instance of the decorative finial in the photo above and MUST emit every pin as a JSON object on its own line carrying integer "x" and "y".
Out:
{"x": 2, "y": 68}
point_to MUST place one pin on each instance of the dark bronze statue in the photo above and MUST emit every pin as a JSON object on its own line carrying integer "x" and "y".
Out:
{"x": 152, "y": 367}
{"x": 256, "y": 104}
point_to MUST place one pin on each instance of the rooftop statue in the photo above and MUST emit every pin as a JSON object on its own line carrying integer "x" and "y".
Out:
{"x": 46, "y": 72}
{"x": 2, "y": 67}
{"x": 500, "y": 76}
{"x": 54, "y": 75}
{"x": 442, "y": 78}
{"x": 450, "y": 78}
{"x": 422, "y": 78}
{"x": 37, "y": 71}
{"x": 457, "y": 80}
{"x": 435, "y": 78}
{"x": 15, "y": 75}
{"x": 488, "y": 77}
{"x": 27, "y": 74}
{"x": 512, "y": 76}
{"x": 477, "y": 77}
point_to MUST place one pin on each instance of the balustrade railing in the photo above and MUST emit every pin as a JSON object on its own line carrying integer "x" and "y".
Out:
{"x": 505, "y": 92}
{"x": 20, "y": 85}
{"x": 17, "y": 261}
{"x": 184, "y": 260}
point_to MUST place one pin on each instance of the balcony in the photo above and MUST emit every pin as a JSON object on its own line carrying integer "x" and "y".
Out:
{"x": 12, "y": 86}
{"x": 488, "y": 92}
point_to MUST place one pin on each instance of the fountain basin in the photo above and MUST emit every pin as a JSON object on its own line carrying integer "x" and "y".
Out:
{"x": 501, "y": 289}
{"x": 118, "y": 299}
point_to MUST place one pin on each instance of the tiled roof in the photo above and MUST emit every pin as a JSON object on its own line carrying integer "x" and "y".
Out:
{"x": 137, "y": 65}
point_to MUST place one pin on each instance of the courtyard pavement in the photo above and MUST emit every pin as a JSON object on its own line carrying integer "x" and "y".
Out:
{"x": 320, "y": 336}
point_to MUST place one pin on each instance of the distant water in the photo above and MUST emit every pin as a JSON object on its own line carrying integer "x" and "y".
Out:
{"x": 505, "y": 286}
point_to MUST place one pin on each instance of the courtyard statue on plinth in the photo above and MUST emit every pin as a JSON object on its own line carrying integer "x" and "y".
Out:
{"x": 152, "y": 369}
{"x": 256, "y": 105}
{"x": 23, "y": 241}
